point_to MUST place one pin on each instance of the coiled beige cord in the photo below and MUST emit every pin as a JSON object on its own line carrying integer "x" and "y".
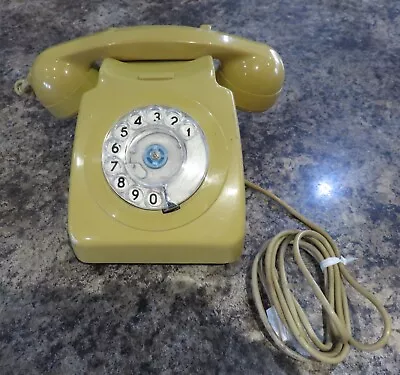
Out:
{"x": 21, "y": 86}
{"x": 268, "y": 272}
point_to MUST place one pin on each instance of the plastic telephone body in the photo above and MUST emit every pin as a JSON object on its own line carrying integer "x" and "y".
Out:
{"x": 209, "y": 227}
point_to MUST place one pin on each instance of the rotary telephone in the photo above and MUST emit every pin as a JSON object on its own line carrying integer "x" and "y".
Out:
{"x": 156, "y": 172}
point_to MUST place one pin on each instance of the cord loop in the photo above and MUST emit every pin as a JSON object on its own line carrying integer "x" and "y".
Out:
{"x": 268, "y": 271}
{"x": 21, "y": 86}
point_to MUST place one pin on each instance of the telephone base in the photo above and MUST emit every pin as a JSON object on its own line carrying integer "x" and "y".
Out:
{"x": 210, "y": 239}
{"x": 209, "y": 226}
{"x": 188, "y": 254}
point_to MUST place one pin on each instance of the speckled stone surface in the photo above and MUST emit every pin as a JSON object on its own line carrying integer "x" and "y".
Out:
{"x": 330, "y": 147}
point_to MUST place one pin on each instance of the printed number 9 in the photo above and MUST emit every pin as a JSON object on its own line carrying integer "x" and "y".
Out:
{"x": 135, "y": 194}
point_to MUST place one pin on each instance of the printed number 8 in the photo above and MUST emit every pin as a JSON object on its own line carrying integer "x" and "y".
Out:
{"x": 121, "y": 182}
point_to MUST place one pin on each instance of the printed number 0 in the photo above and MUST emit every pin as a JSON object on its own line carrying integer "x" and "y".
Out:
{"x": 153, "y": 198}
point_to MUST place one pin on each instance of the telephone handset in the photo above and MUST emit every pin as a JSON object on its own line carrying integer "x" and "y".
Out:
{"x": 156, "y": 172}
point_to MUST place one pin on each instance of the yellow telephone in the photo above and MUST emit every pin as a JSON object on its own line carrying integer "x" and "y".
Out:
{"x": 157, "y": 174}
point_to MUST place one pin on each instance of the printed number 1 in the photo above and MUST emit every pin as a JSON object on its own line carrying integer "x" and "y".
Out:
{"x": 188, "y": 132}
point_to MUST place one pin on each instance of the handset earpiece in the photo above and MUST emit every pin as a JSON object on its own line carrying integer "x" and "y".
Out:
{"x": 59, "y": 84}
{"x": 255, "y": 80}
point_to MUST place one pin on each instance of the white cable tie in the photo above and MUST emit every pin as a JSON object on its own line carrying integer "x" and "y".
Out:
{"x": 335, "y": 260}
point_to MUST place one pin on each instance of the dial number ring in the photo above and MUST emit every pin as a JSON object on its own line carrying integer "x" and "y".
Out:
{"x": 155, "y": 155}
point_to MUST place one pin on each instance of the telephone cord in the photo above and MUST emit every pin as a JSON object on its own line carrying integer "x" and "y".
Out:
{"x": 269, "y": 276}
{"x": 21, "y": 86}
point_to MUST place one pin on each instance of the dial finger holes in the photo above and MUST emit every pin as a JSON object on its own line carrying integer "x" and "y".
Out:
{"x": 113, "y": 147}
{"x": 173, "y": 119}
{"x": 187, "y": 130}
{"x": 113, "y": 166}
{"x": 154, "y": 199}
{"x": 121, "y": 183}
{"x": 136, "y": 119}
{"x": 121, "y": 132}
{"x": 135, "y": 195}
{"x": 153, "y": 148}
{"x": 155, "y": 116}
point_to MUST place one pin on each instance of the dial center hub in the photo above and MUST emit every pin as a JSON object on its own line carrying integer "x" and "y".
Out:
{"x": 155, "y": 156}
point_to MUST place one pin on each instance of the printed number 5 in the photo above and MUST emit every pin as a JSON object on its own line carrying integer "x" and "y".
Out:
{"x": 124, "y": 131}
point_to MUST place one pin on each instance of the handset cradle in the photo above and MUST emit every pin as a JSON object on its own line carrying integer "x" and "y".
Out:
{"x": 252, "y": 71}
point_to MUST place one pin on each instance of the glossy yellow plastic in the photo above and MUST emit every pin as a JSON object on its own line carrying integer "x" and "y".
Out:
{"x": 62, "y": 74}
{"x": 210, "y": 226}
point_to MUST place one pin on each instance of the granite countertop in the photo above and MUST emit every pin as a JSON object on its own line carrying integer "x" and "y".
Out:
{"x": 330, "y": 147}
